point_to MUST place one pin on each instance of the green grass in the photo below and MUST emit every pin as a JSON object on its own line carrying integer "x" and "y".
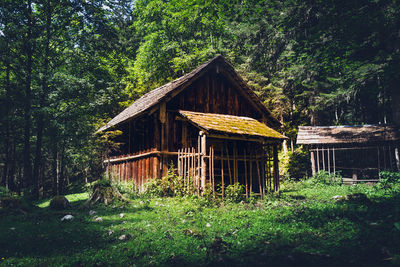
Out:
{"x": 302, "y": 227}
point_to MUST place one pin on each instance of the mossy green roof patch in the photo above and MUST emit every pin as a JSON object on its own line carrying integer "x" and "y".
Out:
{"x": 231, "y": 124}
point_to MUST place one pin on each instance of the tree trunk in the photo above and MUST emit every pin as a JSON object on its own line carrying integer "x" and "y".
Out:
{"x": 4, "y": 181}
{"x": 395, "y": 97}
{"x": 27, "y": 175}
{"x": 55, "y": 169}
{"x": 43, "y": 96}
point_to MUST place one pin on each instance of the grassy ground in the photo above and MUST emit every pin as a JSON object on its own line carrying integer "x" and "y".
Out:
{"x": 302, "y": 227}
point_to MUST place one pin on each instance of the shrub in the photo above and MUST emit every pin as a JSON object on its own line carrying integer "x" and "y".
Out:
{"x": 326, "y": 178}
{"x": 299, "y": 165}
{"x": 169, "y": 185}
{"x": 127, "y": 188}
{"x": 388, "y": 179}
{"x": 234, "y": 193}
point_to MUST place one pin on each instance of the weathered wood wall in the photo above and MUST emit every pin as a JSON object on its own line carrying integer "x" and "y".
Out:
{"x": 161, "y": 132}
{"x": 139, "y": 170}
{"x": 214, "y": 93}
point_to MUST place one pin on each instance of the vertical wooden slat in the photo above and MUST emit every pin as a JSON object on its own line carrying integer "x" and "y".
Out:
{"x": 204, "y": 161}
{"x": 318, "y": 159}
{"x": 276, "y": 167}
{"x": 329, "y": 161}
{"x": 251, "y": 170}
{"x": 263, "y": 173}
{"x": 234, "y": 163}
{"x": 259, "y": 175}
{"x": 193, "y": 166}
{"x": 198, "y": 163}
{"x": 222, "y": 171}
{"x": 229, "y": 164}
{"x": 210, "y": 167}
{"x": 245, "y": 174}
{"x": 334, "y": 160}
{"x": 323, "y": 158}
{"x": 213, "y": 177}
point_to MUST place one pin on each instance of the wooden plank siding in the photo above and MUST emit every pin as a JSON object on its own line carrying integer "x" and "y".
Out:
{"x": 150, "y": 139}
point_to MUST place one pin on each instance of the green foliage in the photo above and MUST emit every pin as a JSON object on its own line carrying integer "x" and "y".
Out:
{"x": 235, "y": 193}
{"x": 326, "y": 178}
{"x": 129, "y": 189}
{"x": 185, "y": 231}
{"x": 168, "y": 186}
{"x": 389, "y": 181}
{"x": 5, "y": 192}
{"x": 296, "y": 165}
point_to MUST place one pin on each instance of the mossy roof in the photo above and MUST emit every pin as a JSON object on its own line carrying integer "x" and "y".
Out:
{"x": 160, "y": 94}
{"x": 232, "y": 125}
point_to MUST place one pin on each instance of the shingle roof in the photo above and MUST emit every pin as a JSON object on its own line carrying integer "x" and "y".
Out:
{"x": 309, "y": 135}
{"x": 228, "y": 124}
{"x": 159, "y": 94}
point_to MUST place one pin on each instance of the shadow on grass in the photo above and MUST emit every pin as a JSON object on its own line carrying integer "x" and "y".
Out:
{"x": 347, "y": 233}
{"x": 41, "y": 233}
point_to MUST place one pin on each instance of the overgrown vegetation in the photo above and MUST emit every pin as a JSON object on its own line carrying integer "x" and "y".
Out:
{"x": 307, "y": 224}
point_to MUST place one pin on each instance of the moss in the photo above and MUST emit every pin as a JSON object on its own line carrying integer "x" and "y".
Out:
{"x": 231, "y": 124}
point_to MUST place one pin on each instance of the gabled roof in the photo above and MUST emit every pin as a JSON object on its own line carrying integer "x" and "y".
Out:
{"x": 233, "y": 125}
{"x": 158, "y": 95}
{"x": 312, "y": 135}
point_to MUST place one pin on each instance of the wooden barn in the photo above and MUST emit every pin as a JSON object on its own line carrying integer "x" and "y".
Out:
{"x": 358, "y": 153}
{"x": 208, "y": 123}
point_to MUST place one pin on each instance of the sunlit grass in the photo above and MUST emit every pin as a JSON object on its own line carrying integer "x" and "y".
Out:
{"x": 304, "y": 222}
{"x": 71, "y": 198}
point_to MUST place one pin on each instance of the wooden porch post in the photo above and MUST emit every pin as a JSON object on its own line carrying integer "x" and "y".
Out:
{"x": 203, "y": 141}
{"x": 276, "y": 167}
{"x": 164, "y": 138}
{"x": 313, "y": 162}
{"x": 396, "y": 155}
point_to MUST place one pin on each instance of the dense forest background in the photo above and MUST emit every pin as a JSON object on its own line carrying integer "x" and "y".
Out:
{"x": 67, "y": 66}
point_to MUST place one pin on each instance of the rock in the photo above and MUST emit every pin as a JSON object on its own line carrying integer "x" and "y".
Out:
{"x": 121, "y": 215}
{"x": 110, "y": 232}
{"x": 68, "y": 217}
{"x": 92, "y": 212}
{"x": 124, "y": 237}
{"x": 357, "y": 197}
{"x": 59, "y": 203}
{"x": 98, "y": 219}
{"x": 338, "y": 198}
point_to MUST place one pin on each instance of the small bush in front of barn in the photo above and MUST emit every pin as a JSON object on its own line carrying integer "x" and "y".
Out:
{"x": 234, "y": 193}
{"x": 326, "y": 178}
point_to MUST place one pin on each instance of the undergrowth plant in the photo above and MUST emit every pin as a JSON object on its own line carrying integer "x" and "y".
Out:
{"x": 234, "y": 193}
{"x": 326, "y": 178}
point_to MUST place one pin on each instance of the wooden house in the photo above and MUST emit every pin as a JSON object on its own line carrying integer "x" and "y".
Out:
{"x": 359, "y": 153}
{"x": 208, "y": 123}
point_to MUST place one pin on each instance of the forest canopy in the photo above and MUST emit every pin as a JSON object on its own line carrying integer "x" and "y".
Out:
{"x": 67, "y": 66}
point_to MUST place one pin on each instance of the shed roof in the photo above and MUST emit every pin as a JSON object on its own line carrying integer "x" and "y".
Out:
{"x": 232, "y": 125}
{"x": 156, "y": 96}
{"x": 309, "y": 135}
